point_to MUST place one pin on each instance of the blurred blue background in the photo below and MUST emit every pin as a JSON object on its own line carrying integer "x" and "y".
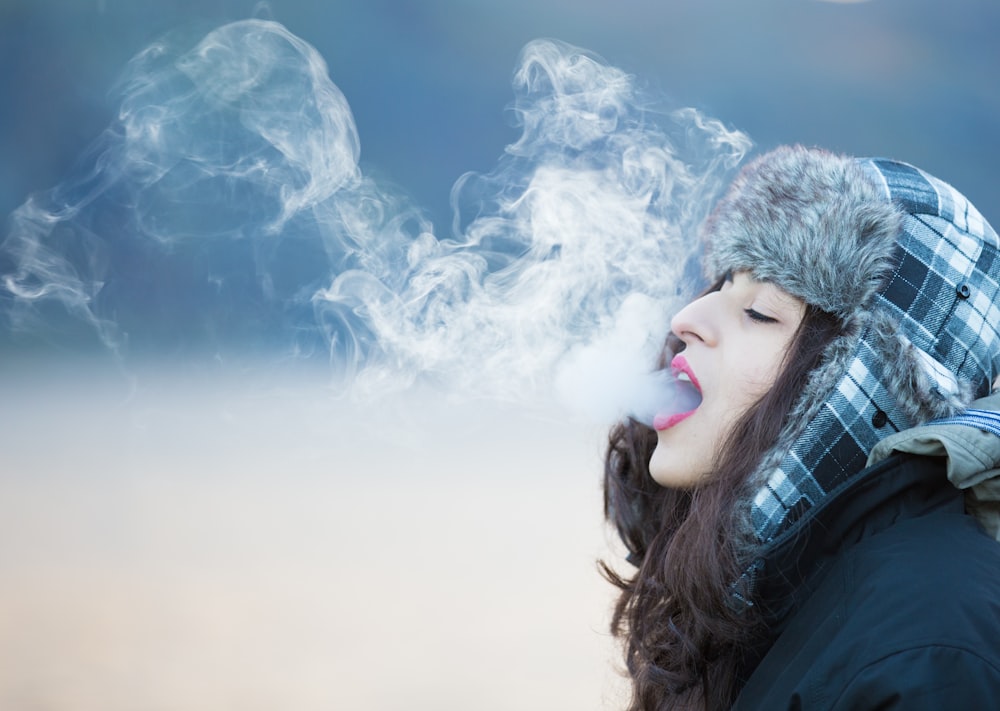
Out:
{"x": 428, "y": 80}
{"x": 195, "y": 543}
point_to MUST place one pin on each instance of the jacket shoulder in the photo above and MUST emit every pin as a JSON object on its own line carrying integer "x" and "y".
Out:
{"x": 913, "y": 611}
{"x": 933, "y": 676}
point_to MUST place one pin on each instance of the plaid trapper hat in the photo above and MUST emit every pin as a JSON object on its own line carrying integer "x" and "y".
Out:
{"x": 913, "y": 272}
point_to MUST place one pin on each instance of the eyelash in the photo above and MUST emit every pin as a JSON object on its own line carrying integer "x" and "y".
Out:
{"x": 758, "y": 317}
{"x": 753, "y": 315}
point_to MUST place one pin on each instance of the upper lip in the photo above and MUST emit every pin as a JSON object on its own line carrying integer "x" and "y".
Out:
{"x": 679, "y": 364}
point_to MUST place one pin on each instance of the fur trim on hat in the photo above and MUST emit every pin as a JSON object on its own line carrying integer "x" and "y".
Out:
{"x": 811, "y": 222}
{"x": 912, "y": 271}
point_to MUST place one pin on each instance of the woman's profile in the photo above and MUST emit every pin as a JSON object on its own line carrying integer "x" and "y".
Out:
{"x": 802, "y": 539}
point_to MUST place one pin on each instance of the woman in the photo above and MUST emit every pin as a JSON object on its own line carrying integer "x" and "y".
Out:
{"x": 792, "y": 551}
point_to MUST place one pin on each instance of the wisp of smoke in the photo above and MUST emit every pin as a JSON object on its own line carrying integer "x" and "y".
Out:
{"x": 224, "y": 213}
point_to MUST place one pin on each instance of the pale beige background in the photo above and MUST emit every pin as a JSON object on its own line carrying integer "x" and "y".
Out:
{"x": 190, "y": 544}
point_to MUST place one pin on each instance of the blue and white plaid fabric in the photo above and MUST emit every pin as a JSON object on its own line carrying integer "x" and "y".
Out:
{"x": 944, "y": 294}
{"x": 982, "y": 420}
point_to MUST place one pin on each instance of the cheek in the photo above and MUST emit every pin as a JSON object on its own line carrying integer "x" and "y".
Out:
{"x": 753, "y": 388}
{"x": 742, "y": 392}
{"x": 724, "y": 417}
{"x": 757, "y": 375}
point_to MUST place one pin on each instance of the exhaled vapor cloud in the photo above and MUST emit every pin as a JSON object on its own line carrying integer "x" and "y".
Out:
{"x": 224, "y": 214}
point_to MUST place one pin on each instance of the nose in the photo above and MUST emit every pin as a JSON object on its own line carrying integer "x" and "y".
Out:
{"x": 695, "y": 322}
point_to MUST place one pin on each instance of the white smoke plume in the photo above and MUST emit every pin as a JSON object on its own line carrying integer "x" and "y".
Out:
{"x": 224, "y": 213}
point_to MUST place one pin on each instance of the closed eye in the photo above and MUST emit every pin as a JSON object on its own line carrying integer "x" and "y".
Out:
{"x": 758, "y": 316}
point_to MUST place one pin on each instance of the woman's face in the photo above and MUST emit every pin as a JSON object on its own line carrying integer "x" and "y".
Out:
{"x": 735, "y": 342}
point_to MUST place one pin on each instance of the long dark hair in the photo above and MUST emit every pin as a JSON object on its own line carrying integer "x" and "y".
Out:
{"x": 685, "y": 639}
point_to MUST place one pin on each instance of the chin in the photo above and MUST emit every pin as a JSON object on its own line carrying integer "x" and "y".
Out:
{"x": 669, "y": 475}
{"x": 676, "y": 466}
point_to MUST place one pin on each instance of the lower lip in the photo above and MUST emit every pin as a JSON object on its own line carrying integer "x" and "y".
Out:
{"x": 665, "y": 422}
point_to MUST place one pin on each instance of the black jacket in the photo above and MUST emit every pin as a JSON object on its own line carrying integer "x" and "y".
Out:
{"x": 887, "y": 598}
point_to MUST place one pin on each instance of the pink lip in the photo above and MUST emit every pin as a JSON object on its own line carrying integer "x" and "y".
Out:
{"x": 665, "y": 422}
{"x": 679, "y": 364}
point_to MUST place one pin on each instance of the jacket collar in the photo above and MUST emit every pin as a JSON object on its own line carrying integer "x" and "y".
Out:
{"x": 900, "y": 487}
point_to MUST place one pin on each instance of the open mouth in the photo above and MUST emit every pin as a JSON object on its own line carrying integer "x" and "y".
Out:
{"x": 686, "y": 396}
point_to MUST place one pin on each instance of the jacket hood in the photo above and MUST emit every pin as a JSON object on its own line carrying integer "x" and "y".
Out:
{"x": 912, "y": 271}
{"x": 969, "y": 443}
